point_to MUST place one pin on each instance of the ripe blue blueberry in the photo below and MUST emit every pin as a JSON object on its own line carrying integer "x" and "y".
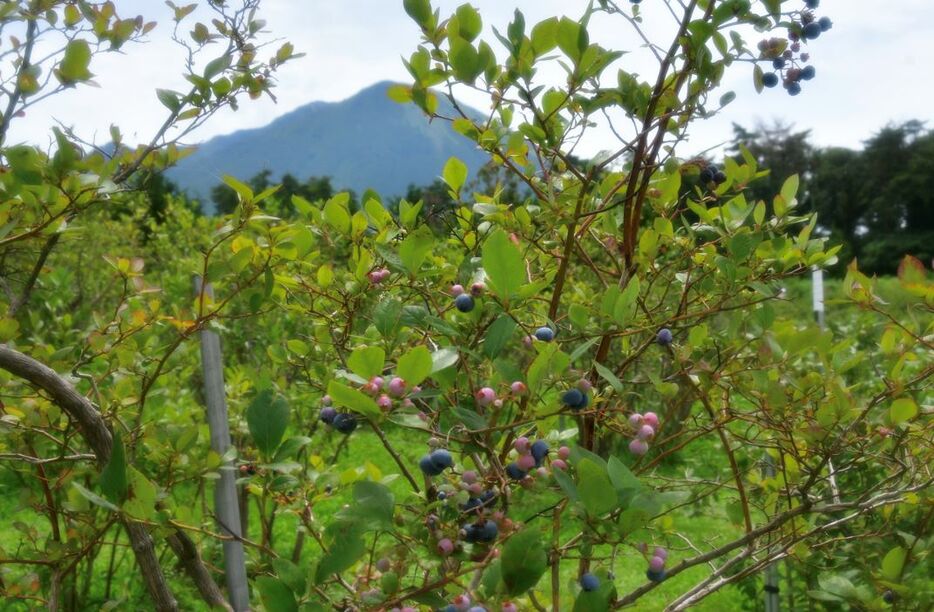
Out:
{"x": 574, "y": 398}
{"x": 488, "y": 532}
{"x": 655, "y": 576}
{"x": 539, "y": 451}
{"x": 327, "y": 414}
{"x": 719, "y": 177}
{"x": 706, "y": 175}
{"x": 770, "y": 79}
{"x": 464, "y": 302}
{"x": 825, "y": 23}
{"x": 487, "y": 496}
{"x": 428, "y": 467}
{"x": 472, "y": 504}
{"x": 545, "y": 334}
{"x": 812, "y": 4}
{"x": 442, "y": 459}
{"x": 794, "y": 89}
{"x": 778, "y": 63}
{"x": 888, "y": 597}
{"x": 664, "y": 336}
{"x": 589, "y": 582}
{"x": 812, "y": 30}
{"x": 515, "y": 472}
{"x": 808, "y": 73}
{"x": 344, "y": 422}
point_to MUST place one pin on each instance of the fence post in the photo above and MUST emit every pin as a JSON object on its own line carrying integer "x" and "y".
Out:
{"x": 226, "y": 505}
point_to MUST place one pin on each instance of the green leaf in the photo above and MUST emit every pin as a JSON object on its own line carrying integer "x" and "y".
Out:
{"x": 469, "y": 20}
{"x": 503, "y": 264}
{"x": 367, "y": 361}
{"x": 75, "y": 62}
{"x": 415, "y": 365}
{"x": 169, "y": 99}
{"x": 608, "y": 375}
{"x": 337, "y": 214}
{"x": 902, "y": 409}
{"x": 545, "y": 36}
{"x": 551, "y": 360}
{"x": 345, "y": 548}
{"x": 790, "y": 189}
{"x": 893, "y": 563}
{"x": 217, "y": 66}
{"x": 594, "y": 487}
{"x": 498, "y": 335}
{"x": 342, "y": 395}
{"x": 373, "y": 505}
{"x": 524, "y": 560}
{"x": 275, "y": 595}
{"x": 620, "y": 475}
{"x": 454, "y": 174}
{"x": 418, "y": 10}
{"x": 142, "y": 497}
{"x": 572, "y": 38}
{"x": 114, "y": 475}
{"x": 415, "y": 248}
{"x": 290, "y": 574}
{"x": 94, "y": 498}
{"x": 443, "y": 358}
{"x": 267, "y": 418}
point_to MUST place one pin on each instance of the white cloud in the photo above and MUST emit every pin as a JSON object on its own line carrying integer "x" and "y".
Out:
{"x": 872, "y": 68}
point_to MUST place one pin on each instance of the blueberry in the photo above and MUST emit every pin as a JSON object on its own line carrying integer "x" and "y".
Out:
{"x": 808, "y": 73}
{"x": 812, "y": 4}
{"x": 441, "y": 459}
{"x": 539, "y": 451}
{"x": 488, "y": 532}
{"x": 655, "y": 576}
{"x": 472, "y": 503}
{"x": 589, "y": 582}
{"x": 825, "y": 23}
{"x": 706, "y": 175}
{"x": 464, "y": 302}
{"x": 574, "y": 398}
{"x": 770, "y": 79}
{"x": 664, "y": 336}
{"x": 327, "y": 414}
{"x": 812, "y": 30}
{"x": 515, "y": 472}
{"x": 778, "y": 63}
{"x": 719, "y": 177}
{"x": 794, "y": 89}
{"x": 344, "y": 422}
{"x": 888, "y": 597}
{"x": 487, "y": 496}
{"x": 428, "y": 467}
{"x": 545, "y": 334}
{"x": 442, "y": 495}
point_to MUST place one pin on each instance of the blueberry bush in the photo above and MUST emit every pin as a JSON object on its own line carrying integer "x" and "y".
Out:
{"x": 551, "y": 392}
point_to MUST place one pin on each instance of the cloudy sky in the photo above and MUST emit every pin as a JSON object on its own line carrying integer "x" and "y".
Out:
{"x": 873, "y": 68}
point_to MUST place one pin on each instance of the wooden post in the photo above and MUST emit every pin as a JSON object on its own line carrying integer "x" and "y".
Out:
{"x": 226, "y": 504}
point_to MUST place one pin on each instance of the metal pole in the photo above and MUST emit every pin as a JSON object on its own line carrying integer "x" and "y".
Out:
{"x": 817, "y": 282}
{"x": 226, "y": 505}
{"x": 772, "y": 601}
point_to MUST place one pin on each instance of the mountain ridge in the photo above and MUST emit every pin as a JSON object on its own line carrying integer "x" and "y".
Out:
{"x": 365, "y": 141}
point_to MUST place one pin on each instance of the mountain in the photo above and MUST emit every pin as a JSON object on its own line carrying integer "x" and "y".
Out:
{"x": 365, "y": 141}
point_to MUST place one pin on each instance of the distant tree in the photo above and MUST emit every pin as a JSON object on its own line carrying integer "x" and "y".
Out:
{"x": 313, "y": 189}
{"x": 778, "y": 148}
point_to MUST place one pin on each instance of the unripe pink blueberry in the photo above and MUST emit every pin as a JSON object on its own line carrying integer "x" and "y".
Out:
{"x": 522, "y": 445}
{"x": 377, "y": 381}
{"x": 469, "y": 476}
{"x": 518, "y": 388}
{"x": 384, "y": 402}
{"x": 542, "y": 472}
{"x": 383, "y": 565}
{"x": 635, "y": 419}
{"x": 638, "y": 447}
{"x": 584, "y": 385}
{"x": 477, "y": 289}
{"x": 375, "y": 277}
{"x": 485, "y": 396}
{"x": 559, "y": 464}
{"x": 461, "y": 603}
{"x": 445, "y": 547}
{"x": 646, "y": 432}
{"x": 475, "y": 488}
{"x": 510, "y": 607}
{"x": 457, "y": 290}
{"x": 651, "y": 418}
{"x": 526, "y": 462}
{"x": 527, "y": 341}
{"x": 396, "y": 386}
{"x": 498, "y": 516}
{"x": 326, "y": 400}
{"x": 416, "y": 389}
{"x": 661, "y": 553}
{"x": 422, "y": 416}
{"x": 656, "y": 564}
{"x": 564, "y": 452}
{"x": 407, "y": 403}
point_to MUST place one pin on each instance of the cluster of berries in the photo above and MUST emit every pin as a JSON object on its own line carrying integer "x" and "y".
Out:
{"x": 656, "y": 571}
{"x": 385, "y": 392}
{"x": 344, "y": 422}
{"x": 530, "y": 455}
{"x": 787, "y": 59}
{"x": 436, "y": 462}
{"x": 577, "y": 398}
{"x": 465, "y": 301}
{"x": 645, "y": 426}
{"x": 378, "y": 275}
{"x": 462, "y": 603}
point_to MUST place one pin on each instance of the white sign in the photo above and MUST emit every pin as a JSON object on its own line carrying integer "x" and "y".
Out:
{"x": 817, "y": 277}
